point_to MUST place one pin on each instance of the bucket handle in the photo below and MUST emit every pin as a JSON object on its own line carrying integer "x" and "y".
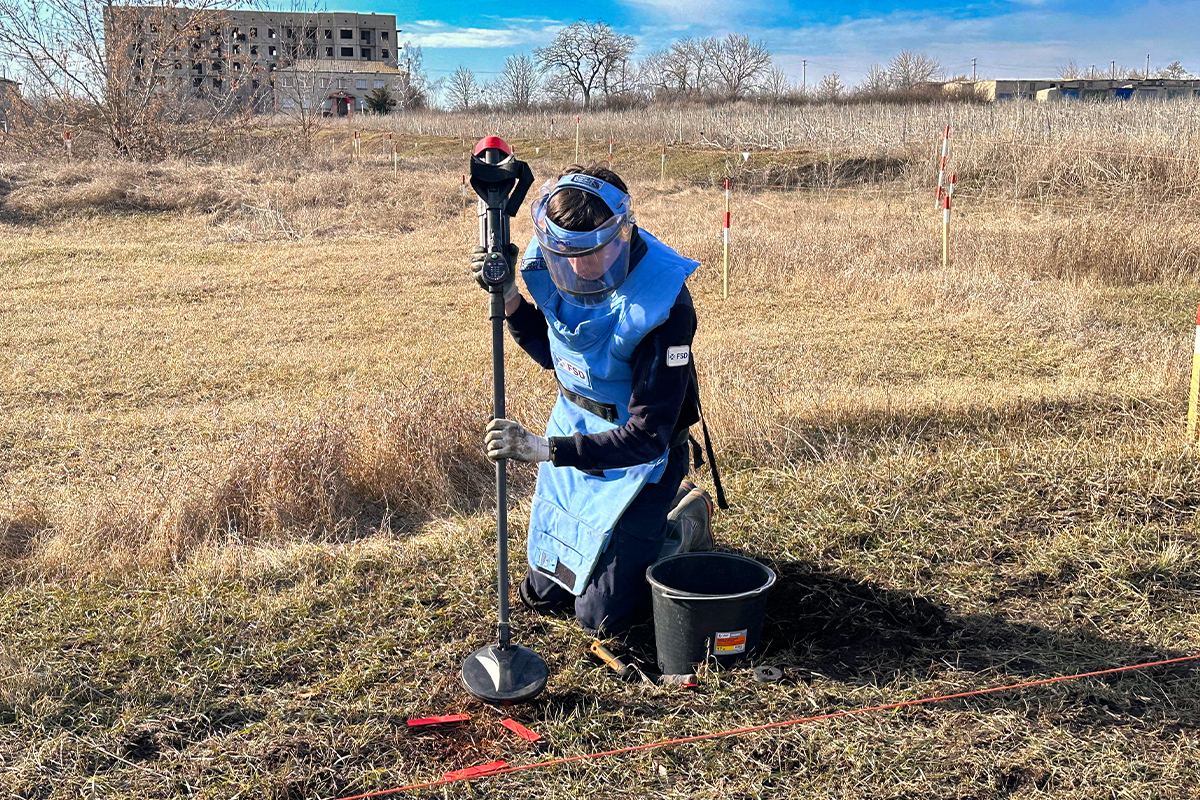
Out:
{"x": 667, "y": 593}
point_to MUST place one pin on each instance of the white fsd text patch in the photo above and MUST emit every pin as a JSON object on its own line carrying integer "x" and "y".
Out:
{"x": 679, "y": 356}
{"x": 575, "y": 371}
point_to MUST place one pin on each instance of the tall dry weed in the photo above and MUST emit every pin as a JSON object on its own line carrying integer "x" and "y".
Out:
{"x": 337, "y": 473}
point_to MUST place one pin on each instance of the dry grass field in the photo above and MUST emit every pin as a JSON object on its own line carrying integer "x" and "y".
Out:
{"x": 245, "y": 520}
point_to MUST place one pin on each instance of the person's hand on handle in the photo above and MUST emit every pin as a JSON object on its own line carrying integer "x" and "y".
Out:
{"x": 505, "y": 438}
{"x": 479, "y": 256}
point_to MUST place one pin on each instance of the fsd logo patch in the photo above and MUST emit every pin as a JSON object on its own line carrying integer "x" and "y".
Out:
{"x": 679, "y": 356}
{"x": 575, "y": 371}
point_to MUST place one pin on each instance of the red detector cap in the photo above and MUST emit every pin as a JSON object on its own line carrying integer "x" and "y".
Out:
{"x": 493, "y": 142}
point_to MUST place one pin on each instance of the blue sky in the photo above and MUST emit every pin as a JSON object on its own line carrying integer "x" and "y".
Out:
{"x": 1028, "y": 38}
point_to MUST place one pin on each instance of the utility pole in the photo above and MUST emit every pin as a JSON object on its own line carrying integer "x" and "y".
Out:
{"x": 804, "y": 76}
{"x": 973, "y": 62}
{"x": 1114, "y": 69}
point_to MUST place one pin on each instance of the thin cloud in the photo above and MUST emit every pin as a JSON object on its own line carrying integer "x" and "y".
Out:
{"x": 430, "y": 34}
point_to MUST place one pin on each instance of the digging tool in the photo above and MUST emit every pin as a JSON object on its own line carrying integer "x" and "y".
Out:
{"x": 503, "y": 672}
{"x": 625, "y": 671}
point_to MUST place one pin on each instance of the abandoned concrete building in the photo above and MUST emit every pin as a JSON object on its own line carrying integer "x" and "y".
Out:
{"x": 276, "y": 61}
{"x": 1093, "y": 89}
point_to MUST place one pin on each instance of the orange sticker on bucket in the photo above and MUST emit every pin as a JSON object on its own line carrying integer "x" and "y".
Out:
{"x": 730, "y": 642}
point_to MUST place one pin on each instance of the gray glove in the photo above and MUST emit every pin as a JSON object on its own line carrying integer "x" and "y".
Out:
{"x": 507, "y": 439}
{"x": 479, "y": 255}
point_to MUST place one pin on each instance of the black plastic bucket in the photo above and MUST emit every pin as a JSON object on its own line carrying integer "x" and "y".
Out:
{"x": 707, "y": 605}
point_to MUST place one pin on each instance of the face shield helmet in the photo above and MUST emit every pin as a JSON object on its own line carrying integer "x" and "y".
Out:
{"x": 586, "y": 266}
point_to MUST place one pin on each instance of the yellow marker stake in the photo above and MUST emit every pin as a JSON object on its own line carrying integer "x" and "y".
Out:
{"x": 1194, "y": 395}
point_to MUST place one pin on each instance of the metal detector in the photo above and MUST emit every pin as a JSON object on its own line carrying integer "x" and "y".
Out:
{"x": 503, "y": 672}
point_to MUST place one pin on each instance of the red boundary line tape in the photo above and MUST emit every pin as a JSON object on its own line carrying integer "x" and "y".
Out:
{"x": 521, "y": 730}
{"x": 489, "y": 768}
{"x": 767, "y": 726}
{"x": 416, "y": 723}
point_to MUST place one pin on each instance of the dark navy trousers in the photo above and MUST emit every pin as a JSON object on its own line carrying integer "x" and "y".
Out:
{"x": 617, "y": 595}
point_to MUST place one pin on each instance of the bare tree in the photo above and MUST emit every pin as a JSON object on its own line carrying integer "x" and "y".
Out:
{"x": 675, "y": 71}
{"x": 1173, "y": 71}
{"x": 622, "y": 82}
{"x": 909, "y": 70}
{"x": 518, "y": 82}
{"x": 588, "y": 56}
{"x": 413, "y": 86}
{"x": 301, "y": 83}
{"x": 830, "y": 88}
{"x": 125, "y": 71}
{"x": 463, "y": 90}
{"x": 560, "y": 93}
{"x": 776, "y": 85}
{"x": 300, "y": 90}
{"x": 738, "y": 63}
{"x": 875, "y": 83}
{"x": 1070, "y": 72}
{"x": 656, "y": 79}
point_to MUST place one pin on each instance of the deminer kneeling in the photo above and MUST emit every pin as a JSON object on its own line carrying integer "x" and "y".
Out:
{"x": 612, "y": 316}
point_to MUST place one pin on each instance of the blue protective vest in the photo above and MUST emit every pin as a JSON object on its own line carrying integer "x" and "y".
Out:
{"x": 574, "y": 512}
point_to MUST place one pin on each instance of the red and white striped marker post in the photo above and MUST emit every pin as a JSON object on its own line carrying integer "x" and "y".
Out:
{"x": 662, "y": 173}
{"x": 1194, "y": 394}
{"x": 357, "y": 152}
{"x": 68, "y": 141}
{"x": 942, "y": 165}
{"x": 950, "y": 190}
{"x": 725, "y": 255}
{"x": 946, "y": 231}
{"x": 610, "y": 144}
{"x": 395, "y": 161}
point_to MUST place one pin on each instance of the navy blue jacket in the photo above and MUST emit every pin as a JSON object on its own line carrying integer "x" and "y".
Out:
{"x": 661, "y": 405}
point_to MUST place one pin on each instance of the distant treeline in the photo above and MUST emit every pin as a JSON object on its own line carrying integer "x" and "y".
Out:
{"x": 589, "y": 65}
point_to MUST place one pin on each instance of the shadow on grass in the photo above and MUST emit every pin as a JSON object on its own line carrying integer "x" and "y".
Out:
{"x": 858, "y": 632}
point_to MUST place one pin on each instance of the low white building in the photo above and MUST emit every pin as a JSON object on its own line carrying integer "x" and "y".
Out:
{"x": 1096, "y": 89}
{"x": 333, "y": 88}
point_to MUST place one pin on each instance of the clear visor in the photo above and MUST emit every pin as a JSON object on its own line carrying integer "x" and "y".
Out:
{"x": 586, "y": 266}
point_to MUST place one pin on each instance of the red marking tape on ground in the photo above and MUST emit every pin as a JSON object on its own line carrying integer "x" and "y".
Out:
{"x": 416, "y": 723}
{"x": 505, "y": 770}
{"x": 474, "y": 772}
{"x": 520, "y": 730}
